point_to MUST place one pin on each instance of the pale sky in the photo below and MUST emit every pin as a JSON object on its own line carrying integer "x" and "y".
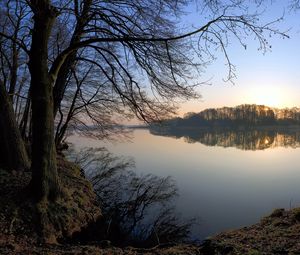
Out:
{"x": 272, "y": 79}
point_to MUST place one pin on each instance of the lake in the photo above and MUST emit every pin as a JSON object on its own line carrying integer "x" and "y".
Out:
{"x": 222, "y": 180}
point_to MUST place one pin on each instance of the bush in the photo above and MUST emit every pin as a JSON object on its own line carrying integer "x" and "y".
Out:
{"x": 296, "y": 214}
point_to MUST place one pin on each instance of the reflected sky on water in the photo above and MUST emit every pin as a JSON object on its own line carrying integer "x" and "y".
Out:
{"x": 225, "y": 186}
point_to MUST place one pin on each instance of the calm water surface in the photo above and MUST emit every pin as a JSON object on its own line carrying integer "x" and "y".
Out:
{"x": 225, "y": 187}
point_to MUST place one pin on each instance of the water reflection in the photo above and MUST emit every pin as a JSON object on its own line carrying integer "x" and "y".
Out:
{"x": 226, "y": 188}
{"x": 241, "y": 139}
{"x": 137, "y": 210}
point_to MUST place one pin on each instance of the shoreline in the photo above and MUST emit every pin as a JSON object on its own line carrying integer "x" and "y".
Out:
{"x": 278, "y": 233}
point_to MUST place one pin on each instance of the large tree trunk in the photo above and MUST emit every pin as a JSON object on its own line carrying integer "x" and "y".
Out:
{"x": 61, "y": 82}
{"x": 45, "y": 181}
{"x": 24, "y": 121}
{"x": 65, "y": 70}
{"x": 14, "y": 70}
{"x": 12, "y": 149}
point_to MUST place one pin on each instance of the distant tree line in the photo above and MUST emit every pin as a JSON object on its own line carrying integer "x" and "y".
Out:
{"x": 242, "y": 115}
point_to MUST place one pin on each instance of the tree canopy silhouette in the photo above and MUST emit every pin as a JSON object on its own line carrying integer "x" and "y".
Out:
{"x": 107, "y": 59}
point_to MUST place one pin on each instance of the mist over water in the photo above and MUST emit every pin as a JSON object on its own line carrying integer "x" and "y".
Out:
{"x": 227, "y": 180}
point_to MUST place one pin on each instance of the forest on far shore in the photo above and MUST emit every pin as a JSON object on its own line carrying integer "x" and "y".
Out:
{"x": 249, "y": 115}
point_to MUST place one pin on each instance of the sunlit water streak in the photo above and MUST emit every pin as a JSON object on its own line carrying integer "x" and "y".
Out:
{"x": 225, "y": 187}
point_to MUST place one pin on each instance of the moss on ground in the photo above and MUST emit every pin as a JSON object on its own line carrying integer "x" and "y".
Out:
{"x": 23, "y": 220}
{"x": 72, "y": 211}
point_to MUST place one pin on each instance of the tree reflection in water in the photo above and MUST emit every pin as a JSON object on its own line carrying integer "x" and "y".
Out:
{"x": 251, "y": 139}
{"x": 137, "y": 209}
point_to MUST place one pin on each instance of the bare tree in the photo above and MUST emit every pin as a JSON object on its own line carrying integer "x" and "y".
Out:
{"x": 123, "y": 59}
{"x": 13, "y": 152}
{"x": 295, "y": 4}
{"x": 137, "y": 46}
{"x": 90, "y": 101}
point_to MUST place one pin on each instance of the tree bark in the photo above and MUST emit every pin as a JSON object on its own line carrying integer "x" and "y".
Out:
{"x": 14, "y": 70}
{"x": 65, "y": 70}
{"x": 13, "y": 153}
{"x": 45, "y": 182}
{"x": 24, "y": 121}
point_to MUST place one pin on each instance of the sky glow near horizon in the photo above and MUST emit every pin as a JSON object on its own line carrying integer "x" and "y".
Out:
{"x": 272, "y": 79}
